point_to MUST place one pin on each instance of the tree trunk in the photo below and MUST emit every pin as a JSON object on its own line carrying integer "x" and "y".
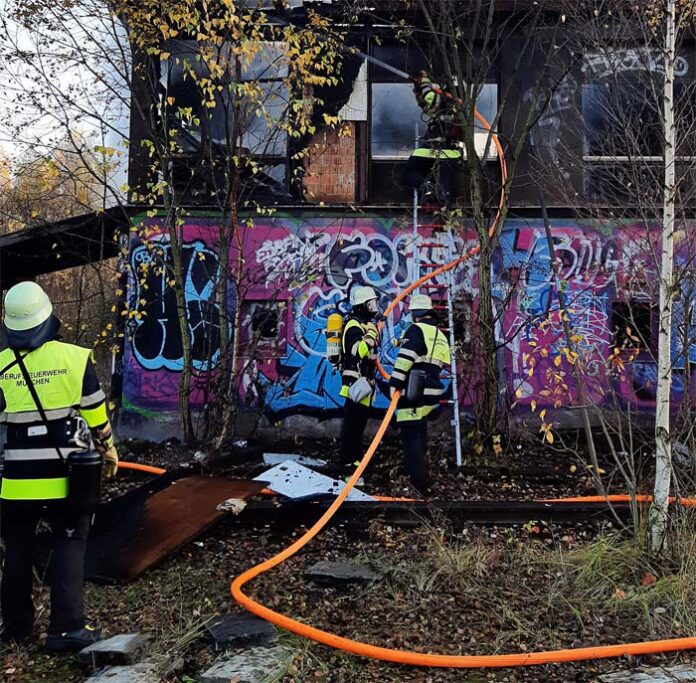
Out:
{"x": 663, "y": 446}
{"x": 489, "y": 399}
{"x": 231, "y": 360}
{"x": 176, "y": 239}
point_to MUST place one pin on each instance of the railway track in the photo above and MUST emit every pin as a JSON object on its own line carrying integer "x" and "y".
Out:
{"x": 406, "y": 513}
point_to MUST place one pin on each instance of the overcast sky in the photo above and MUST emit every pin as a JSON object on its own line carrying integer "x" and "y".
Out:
{"x": 74, "y": 72}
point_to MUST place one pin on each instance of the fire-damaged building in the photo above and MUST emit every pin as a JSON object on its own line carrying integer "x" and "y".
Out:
{"x": 572, "y": 100}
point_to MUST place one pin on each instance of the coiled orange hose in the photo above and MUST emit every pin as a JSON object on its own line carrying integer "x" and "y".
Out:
{"x": 418, "y": 658}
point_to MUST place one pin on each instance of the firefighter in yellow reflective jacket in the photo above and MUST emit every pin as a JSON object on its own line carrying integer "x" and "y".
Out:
{"x": 423, "y": 348}
{"x": 358, "y": 375}
{"x": 44, "y": 425}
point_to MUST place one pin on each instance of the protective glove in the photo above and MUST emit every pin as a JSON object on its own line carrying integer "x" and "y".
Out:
{"x": 371, "y": 330}
{"x": 110, "y": 462}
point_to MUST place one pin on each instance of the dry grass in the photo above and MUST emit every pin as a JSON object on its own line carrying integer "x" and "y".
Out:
{"x": 543, "y": 595}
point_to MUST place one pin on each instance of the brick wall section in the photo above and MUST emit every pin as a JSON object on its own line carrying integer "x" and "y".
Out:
{"x": 330, "y": 166}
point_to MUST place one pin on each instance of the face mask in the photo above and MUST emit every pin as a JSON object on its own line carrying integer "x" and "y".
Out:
{"x": 372, "y": 306}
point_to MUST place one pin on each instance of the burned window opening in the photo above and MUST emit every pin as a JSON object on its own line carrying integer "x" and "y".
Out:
{"x": 263, "y": 326}
{"x": 398, "y": 126}
{"x": 632, "y": 324}
{"x": 246, "y": 123}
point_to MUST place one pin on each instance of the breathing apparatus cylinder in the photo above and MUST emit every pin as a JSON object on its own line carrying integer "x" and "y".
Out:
{"x": 84, "y": 480}
{"x": 334, "y": 332}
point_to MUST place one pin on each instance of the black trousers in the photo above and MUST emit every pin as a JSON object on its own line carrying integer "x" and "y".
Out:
{"x": 355, "y": 417}
{"x": 414, "y": 439}
{"x": 442, "y": 173}
{"x": 18, "y": 522}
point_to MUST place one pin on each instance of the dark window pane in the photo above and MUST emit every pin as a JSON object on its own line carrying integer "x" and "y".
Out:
{"x": 406, "y": 58}
{"x": 631, "y": 323}
{"x": 263, "y": 133}
{"x": 622, "y": 100}
{"x": 267, "y": 63}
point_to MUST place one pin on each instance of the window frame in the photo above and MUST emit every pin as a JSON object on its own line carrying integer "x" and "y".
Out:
{"x": 376, "y": 75}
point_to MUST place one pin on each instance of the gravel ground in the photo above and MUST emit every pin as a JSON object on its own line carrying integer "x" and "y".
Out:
{"x": 423, "y": 603}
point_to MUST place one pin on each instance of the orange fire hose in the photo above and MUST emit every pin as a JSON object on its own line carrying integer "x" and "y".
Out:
{"x": 417, "y": 658}
{"x": 140, "y": 468}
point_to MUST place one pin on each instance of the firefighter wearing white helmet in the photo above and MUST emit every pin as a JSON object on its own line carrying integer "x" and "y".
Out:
{"x": 49, "y": 391}
{"x": 423, "y": 354}
{"x": 359, "y": 344}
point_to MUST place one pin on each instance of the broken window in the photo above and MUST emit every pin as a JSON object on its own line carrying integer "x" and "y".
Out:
{"x": 263, "y": 327}
{"x": 247, "y": 118}
{"x": 622, "y": 113}
{"x": 398, "y": 125}
{"x": 398, "y": 122}
{"x": 631, "y": 324}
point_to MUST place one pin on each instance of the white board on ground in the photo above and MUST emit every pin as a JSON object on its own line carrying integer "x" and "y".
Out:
{"x": 297, "y": 482}
{"x": 660, "y": 674}
{"x": 280, "y": 458}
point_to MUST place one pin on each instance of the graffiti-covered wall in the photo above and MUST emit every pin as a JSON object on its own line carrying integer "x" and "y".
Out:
{"x": 298, "y": 269}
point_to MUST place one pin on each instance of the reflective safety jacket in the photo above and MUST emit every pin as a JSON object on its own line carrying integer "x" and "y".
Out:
{"x": 359, "y": 344}
{"x": 66, "y": 383}
{"x": 423, "y": 347}
{"x": 444, "y": 136}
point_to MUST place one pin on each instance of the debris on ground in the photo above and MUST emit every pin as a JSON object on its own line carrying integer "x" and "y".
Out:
{"x": 667, "y": 674}
{"x": 256, "y": 665}
{"x": 135, "y": 673}
{"x": 341, "y": 573}
{"x": 280, "y": 458}
{"x": 166, "y": 521}
{"x": 297, "y": 482}
{"x": 235, "y": 630}
{"x": 121, "y": 649}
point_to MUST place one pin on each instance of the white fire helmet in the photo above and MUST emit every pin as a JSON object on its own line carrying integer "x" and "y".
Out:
{"x": 26, "y": 306}
{"x": 361, "y": 295}
{"x": 420, "y": 303}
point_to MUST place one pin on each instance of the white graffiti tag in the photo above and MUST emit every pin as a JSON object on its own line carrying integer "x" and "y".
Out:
{"x": 292, "y": 257}
{"x": 613, "y": 61}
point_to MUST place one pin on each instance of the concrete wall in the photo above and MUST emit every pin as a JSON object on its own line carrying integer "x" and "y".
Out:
{"x": 305, "y": 264}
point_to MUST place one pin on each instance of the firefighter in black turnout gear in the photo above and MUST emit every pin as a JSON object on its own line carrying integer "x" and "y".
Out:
{"x": 434, "y": 163}
{"x": 53, "y": 406}
{"x": 425, "y": 350}
{"x": 359, "y": 344}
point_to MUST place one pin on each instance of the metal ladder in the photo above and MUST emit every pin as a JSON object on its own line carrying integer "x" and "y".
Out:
{"x": 420, "y": 268}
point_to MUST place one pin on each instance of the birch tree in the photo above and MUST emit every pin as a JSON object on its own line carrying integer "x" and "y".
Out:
{"x": 663, "y": 440}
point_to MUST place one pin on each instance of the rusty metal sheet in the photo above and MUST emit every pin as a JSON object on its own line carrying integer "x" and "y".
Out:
{"x": 161, "y": 524}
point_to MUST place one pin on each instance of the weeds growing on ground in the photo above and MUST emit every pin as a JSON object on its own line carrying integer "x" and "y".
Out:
{"x": 533, "y": 590}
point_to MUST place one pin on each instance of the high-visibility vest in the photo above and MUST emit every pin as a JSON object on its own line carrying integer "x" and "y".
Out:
{"x": 436, "y": 344}
{"x": 354, "y": 360}
{"x": 437, "y": 356}
{"x": 33, "y": 470}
